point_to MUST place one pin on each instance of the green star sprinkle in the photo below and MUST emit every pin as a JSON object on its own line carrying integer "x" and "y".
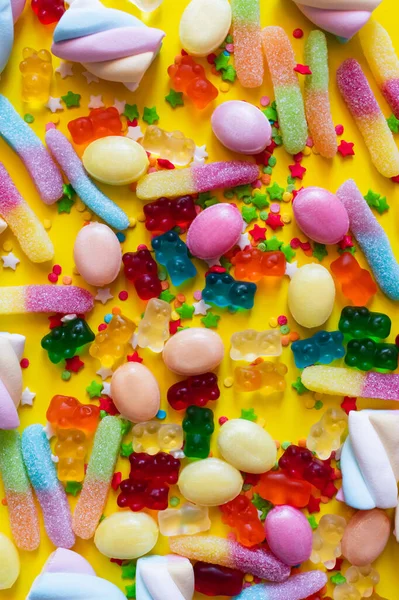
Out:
{"x": 126, "y": 426}
{"x": 211, "y": 320}
{"x": 71, "y": 99}
{"x": 263, "y": 505}
{"x": 211, "y": 202}
{"x": 131, "y": 591}
{"x": 126, "y": 449}
{"x": 270, "y": 113}
{"x": 28, "y": 118}
{"x": 204, "y": 197}
{"x": 242, "y": 191}
{"x": 68, "y": 190}
{"x": 94, "y": 389}
{"x": 222, "y": 61}
{"x": 185, "y": 311}
{"x": 131, "y": 112}
{"x": 273, "y": 244}
{"x": 351, "y": 250}
{"x": 166, "y": 296}
{"x": 225, "y": 263}
{"x": 275, "y": 191}
{"x": 375, "y": 200}
{"x": 150, "y": 115}
{"x": 393, "y": 124}
{"x": 319, "y": 251}
{"x": 288, "y": 252}
{"x": 313, "y": 522}
{"x": 299, "y": 387}
{"x": 338, "y": 578}
{"x": 286, "y": 444}
{"x": 248, "y": 414}
{"x": 65, "y": 204}
{"x": 371, "y": 197}
{"x": 129, "y": 570}
{"x": 249, "y": 213}
{"x": 73, "y": 487}
{"x": 260, "y": 201}
{"x": 175, "y": 98}
{"x": 229, "y": 74}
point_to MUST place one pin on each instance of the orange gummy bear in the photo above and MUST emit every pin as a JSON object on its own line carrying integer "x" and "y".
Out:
{"x": 252, "y": 264}
{"x": 66, "y": 412}
{"x": 100, "y": 123}
{"x": 357, "y": 283}
{"x": 189, "y": 77}
{"x": 267, "y": 375}
{"x": 241, "y": 514}
{"x": 280, "y": 489}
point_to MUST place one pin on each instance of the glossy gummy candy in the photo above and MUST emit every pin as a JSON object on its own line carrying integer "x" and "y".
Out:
{"x": 48, "y": 11}
{"x": 164, "y": 214}
{"x": 197, "y": 390}
{"x": 110, "y": 344}
{"x": 224, "y": 291}
{"x": 364, "y": 579}
{"x": 279, "y": 489}
{"x": 323, "y": 347}
{"x": 327, "y": 540}
{"x": 66, "y": 412}
{"x": 101, "y": 122}
{"x": 173, "y": 146}
{"x": 189, "y": 77}
{"x": 366, "y": 354}
{"x": 153, "y": 437}
{"x": 359, "y": 322}
{"x": 325, "y": 435}
{"x": 213, "y": 580}
{"x": 171, "y": 252}
{"x": 252, "y": 264}
{"x": 153, "y": 329}
{"x": 247, "y": 42}
{"x": 142, "y": 270}
{"x": 242, "y": 516}
{"x": 268, "y": 376}
{"x": 67, "y": 340}
{"x": 251, "y": 344}
{"x": 37, "y": 71}
{"x": 189, "y": 519}
{"x": 300, "y": 463}
{"x": 198, "y": 427}
{"x": 357, "y": 283}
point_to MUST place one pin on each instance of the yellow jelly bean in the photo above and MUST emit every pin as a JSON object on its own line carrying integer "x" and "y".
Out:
{"x": 126, "y": 535}
{"x": 9, "y": 563}
{"x": 115, "y": 160}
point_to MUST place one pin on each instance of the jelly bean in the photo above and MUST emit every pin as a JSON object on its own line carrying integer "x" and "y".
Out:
{"x": 289, "y": 535}
{"x": 135, "y": 392}
{"x": 97, "y": 254}
{"x": 204, "y": 239}
{"x": 204, "y": 26}
{"x": 126, "y": 535}
{"x": 241, "y": 127}
{"x": 115, "y": 160}
{"x": 311, "y": 295}
{"x": 366, "y": 536}
{"x": 210, "y": 482}
{"x": 193, "y": 351}
{"x": 320, "y": 215}
{"x": 247, "y": 446}
{"x": 9, "y": 563}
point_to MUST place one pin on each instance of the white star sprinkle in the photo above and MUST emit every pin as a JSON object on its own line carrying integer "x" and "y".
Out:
{"x": 10, "y": 261}
{"x": 54, "y": 104}
{"x": 104, "y": 373}
{"x": 200, "y": 155}
{"x": 201, "y": 308}
{"x": 134, "y": 133}
{"x": 106, "y": 389}
{"x": 55, "y": 459}
{"x": 65, "y": 69}
{"x": 49, "y": 431}
{"x": 243, "y": 242}
{"x": 96, "y": 102}
{"x": 103, "y": 295}
{"x": 27, "y": 397}
{"x": 177, "y": 454}
{"x": 90, "y": 78}
{"x": 119, "y": 105}
{"x": 213, "y": 262}
{"x": 291, "y": 268}
{"x": 3, "y": 225}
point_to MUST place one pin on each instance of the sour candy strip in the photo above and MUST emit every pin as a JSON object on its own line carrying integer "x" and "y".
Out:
{"x": 247, "y": 36}
{"x": 296, "y": 587}
{"x": 16, "y": 300}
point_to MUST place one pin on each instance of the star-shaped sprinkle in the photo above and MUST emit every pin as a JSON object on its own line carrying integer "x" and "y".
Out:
{"x": 135, "y": 357}
{"x": 27, "y": 397}
{"x": 312, "y": 522}
{"x": 129, "y": 571}
{"x": 258, "y": 233}
{"x": 71, "y": 99}
{"x": 375, "y": 200}
{"x": 126, "y": 449}
{"x": 150, "y": 115}
{"x": 166, "y": 296}
{"x": 175, "y": 98}
{"x": 273, "y": 244}
{"x": 96, "y": 102}
{"x": 244, "y": 241}
{"x": 270, "y": 113}
{"x": 319, "y": 251}
{"x": 338, "y": 579}
{"x": 10, "y": 261}
{"x": 288, "y": 252}
{"x": 313, "y": 505}
{"x": 346, "y": 148}
{"x": 222, "y": 61}
{"x": 291, "y": 269}
{"x": 249, "y": 213}
{"x": 263, "y": 506}
{"x": 346, "y": 242}
{"x": 297, "y": 171}
{"x": 248, "y": 414}
{"x": 200, "y": 154}
{"x": 104, "y": 373}
{"x": 242, "y": 191}
{"x": 201, "y": 308}
{"x": 299, "y": 387}
{"x": 348, "y": 404}
{"x": 185, "y": 311}
{"x": 106, "y": 389}
{"x": 54, "y": 104}
{"x": 260, "y": 201}
{"x": 90, "y": 78}
{"x": 229, "y": 74}
{"x": 74, "y": 364}
{"x": 130, "y": 591}
{"x": 73, "y": 487}
{"x": 275, "y": 191}
{"x": 103, "y": 295}
{"x": 134, "y": 133}
{"x": 393, "y": 124}
{"x": 302, "y": 69}
{"x": 274, "y": 221}
{"x": 120, "y": 105}
{"x": 131, "y": 112}
{"x": 65, "y": 204}
{"x": 65, "y": 69}
{"x": 94, "y": 389}
{"x": 107, "y": 406}
{"x": 213, "y": 262}
{"x": 211, "y": 320}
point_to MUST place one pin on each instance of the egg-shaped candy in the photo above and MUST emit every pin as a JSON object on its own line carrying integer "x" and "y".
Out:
{"x": 193, "y": 351}
{"x": 210, "y": 482}
{"x": 135, "y": 392}
{"x": 97, "y": 254}
{"x": 320, "y": 215}
{"x": 366, "y": 536}
{"x": 9, "y": 563}
{"x": 126, "y": 535}
{"x": 241, "y": 127}
{"x": 247, "y": 446}
{"x": 311, "y": 295}
{"x": 215, "y": 231}
{"x": 115, "y": 160}
{"x": 289, "y": 535}
{"x": 204, "y": 26}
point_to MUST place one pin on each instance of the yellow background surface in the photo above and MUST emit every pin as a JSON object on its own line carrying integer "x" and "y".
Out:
{"x": 286, "y": 418}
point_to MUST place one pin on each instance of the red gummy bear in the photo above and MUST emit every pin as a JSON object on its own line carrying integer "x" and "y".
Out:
{"x": 279, "y": 489}
{"x": 189, "y": 77}
{"x": 161, "y": 467}
{"x": 213, "y": 580}
{"x": 197, "y": 390}
{"x": 142, "y": 270}
{"x": 300, "y": 463}
{"x": 252, "y": 264}
{"x": 48, "y": 11}
{"x": 137, "y": 495}
{"x": 66, "y": 412}
{"x": 241, "y": 514}
{"x": 100, "y": 123}
{"x": 164, "y": 214}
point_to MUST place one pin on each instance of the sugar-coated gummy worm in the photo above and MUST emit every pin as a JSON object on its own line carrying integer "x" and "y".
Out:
{"x": 93, "y": 497}
{"x": 209, "y": 548}
{"x": 290, "y": 108}
{"x": 296, "y": 587}
{"x": 317, "y": 98}
{"x": 22, "y": 511}
{"x": 28, "y": 146}
{"x": 372, "y": 124}
{"x": 72, "y": 166}
{"x": 23, "y": 222}
{"x": 197, "y": 179}
{"x": 16, "y": 300}
{"x": 247, "y": 36}
{"x": 49, "y": 491}
{"x": 383, "y": 61}
{"x": 371, "y": 238}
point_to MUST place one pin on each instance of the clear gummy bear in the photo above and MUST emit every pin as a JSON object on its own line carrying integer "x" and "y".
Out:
{"x": 327, "y": 538}
{"x": 325, "y": 435}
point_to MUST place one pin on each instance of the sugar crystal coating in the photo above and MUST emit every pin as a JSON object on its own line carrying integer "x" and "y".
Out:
{"x": 333, "y": 380}
{"x": 247, "y": 42}
{"x": 296, "y": 587}
{"x": 44, "y": 298}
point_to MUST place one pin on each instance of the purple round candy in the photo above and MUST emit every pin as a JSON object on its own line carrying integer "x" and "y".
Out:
{"x": 320, "y": 215}
{"x": 289, "y": 535}
{"x": 241, "y": 127}
{"x": 214, "y": 231}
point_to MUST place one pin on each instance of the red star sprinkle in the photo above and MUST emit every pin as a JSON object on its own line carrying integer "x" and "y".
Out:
{"x": 346, "y": 242}
{"x": 55, "y": 320}
{"x": 330, "y": 490}
{"x": 303, "y": 69}
{"x": 258, "y": 233}
{"x": 297, "y": 171}
{"x": 74, "y": 364}
{"x": 173, "y": 325}
{"x": 314, "y": 505}
{"x": 135, "y": 357}
{"x": 270, "y": 148}
{"x": 348, "y": 404}
{"x": 116, "y": 479}
{"x": 338, "y": 565}
{"x": 346, "y": 148}
{"x": 108, "y": 406}
{"x": 395, "y": 179}
{"x": 274, "y": 221}
{"x": 165, "y": 164}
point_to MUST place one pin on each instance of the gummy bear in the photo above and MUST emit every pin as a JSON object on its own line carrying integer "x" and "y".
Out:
{"x": 71, "y": 449}
{"x": 359, "y": 322}
{"x": 37, "y": 70}
{"x": 222, "y": 290}
{"x": 242, "y": 515}
{"x": 279, "y": 489}
{"x": 153, "y": 329}
{"x": 153, "y": 437}
{"x": 66, "y": 340}
{"x": 189, "y": 519}
{"x": 198, "y": 390}
{"x": 357, "y": 283}
{"x": 172, "y": 253}
{"x": 325, "y": 435}
{"x": 142, "y": 270}
{"x": 198, "y": 427}
{"x": 266, "y": 375}
{"x": 66, "y": 412}
{"x": 173, "y": 145}
{"x": 214, "y": 580}
{"x": 327, "y": 540}
{"x": 299, "y": 463}
{"x": 161, "y": 467}
{"x": 323, "y": 347}
{"x": 48, "y": 11}
{"x": 366, "y": 354}
{"x": 100, "y": 123}
{"x": 110, "y": 344}
{"x": 251, "y": 344}
{"x": 164, "y": 214}
{"x": 189, "y": 77}
{"x": 251, "y": 264}
{"x": 345, "y": 591}
{"x": 364, "y": 579}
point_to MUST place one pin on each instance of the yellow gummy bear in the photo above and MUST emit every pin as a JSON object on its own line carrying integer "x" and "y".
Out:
{"x": 110, "y": 344}
{"x": 325, "y": 435}
{"x": 327, "y": 540}
{"x": 71, "y": 448}
{"x": 267, "y": 375}
{"x": 189, "y": 519}
{"x": 37, "y": 71}
{"x": 364, "y": 579}
{"x": 173, "y": 145}
{"x": 345, "y": 591}
{"x": 153, "y": 330}
{"x": 153, "y": 437}
{"x": 251, "y": 344}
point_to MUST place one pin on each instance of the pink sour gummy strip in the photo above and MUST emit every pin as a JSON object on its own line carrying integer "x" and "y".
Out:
{"x": 28, "y": 146}
{"x": 296, "y": 587}
{"x": 372, "y": 124}
{"x": 44, "y": 298}
{"x": 248, "y": 54}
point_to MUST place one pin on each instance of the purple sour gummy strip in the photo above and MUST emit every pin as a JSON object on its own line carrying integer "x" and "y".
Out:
{"x": 296, "y": 587}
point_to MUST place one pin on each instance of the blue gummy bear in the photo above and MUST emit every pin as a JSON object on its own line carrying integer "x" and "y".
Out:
{"x": 221, "y": 289}
{"x": 323, "y": 347}
{"x": 172, "y": 253}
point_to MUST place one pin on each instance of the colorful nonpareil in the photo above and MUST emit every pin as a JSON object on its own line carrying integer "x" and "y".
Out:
{"x": 44, "y": 298}
{"x": 247, "y": 42}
